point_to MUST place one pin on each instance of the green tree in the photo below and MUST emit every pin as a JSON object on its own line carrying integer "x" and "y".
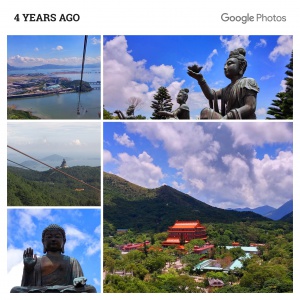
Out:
{"x": 162, "y": 102}
{"x": 282, "y": 108}
{"x": 107, "y": 115}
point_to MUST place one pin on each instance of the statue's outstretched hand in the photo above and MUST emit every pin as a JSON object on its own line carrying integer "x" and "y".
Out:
{"x": 194, "y": 71}
{"x": 29, "y": 259}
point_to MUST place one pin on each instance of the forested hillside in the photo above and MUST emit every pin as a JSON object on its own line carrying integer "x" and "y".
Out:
{"x": 51, "y": 188}
{"x": 128, "y": 205}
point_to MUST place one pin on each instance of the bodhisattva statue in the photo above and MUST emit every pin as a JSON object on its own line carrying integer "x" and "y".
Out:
{"x": 238, "y": 99}
{"x": 53, "y": 272}
{"x": 183, "y": 111}
{"x": 129, "y": 112}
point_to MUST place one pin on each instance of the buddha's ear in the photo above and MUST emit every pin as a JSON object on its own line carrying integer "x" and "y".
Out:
{"x": 63, "y": 247}
{"x": 44, "y": 249}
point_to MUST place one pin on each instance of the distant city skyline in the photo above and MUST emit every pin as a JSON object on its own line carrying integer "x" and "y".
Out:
{"x": 29, "y": 51}
{"x": 136, "y": 66}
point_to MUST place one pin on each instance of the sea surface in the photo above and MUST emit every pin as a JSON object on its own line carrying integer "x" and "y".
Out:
{"x": 63, "y": 106}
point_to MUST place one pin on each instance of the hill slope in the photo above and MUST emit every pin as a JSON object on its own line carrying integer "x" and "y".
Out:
{"x": 50, "y": 188}
{"x": 127, "y": 205}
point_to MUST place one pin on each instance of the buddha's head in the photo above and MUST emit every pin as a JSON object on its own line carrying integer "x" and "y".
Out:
{"x": 53, "y": 238}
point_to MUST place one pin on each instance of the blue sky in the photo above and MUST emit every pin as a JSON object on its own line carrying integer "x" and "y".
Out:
{"x": 77, "y": 140}
{"x": 226, "y": 165}
{"x": 136, "y": 66}
{"x": 82, "y": 226}
{"x": 29, "y": 51}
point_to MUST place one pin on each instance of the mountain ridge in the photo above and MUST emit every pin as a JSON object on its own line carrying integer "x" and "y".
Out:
{"x": 129, "y": 205}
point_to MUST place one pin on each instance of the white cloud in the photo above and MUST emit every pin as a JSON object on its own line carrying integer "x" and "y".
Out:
{"x": 59, "y": 48}
{"x": 221, "y": 171}
{"x": 236, "y": 41}
{"x": 76, "y": 142}
{"x": 284, "y": 47}
{"x": 262, "y": 43}
{"x": 73, "y": 232}
{"x": 14, "y": 276}
{"x": 274, "y": 178}
{"x": 96, "y": 41}
{"x": 96, "y": 281}
{"x": 283, "y": 85}
{"x": 124, "y": 140}
{"x": 260, "y": 133}
{"x": 14, "y": 257}
{"x": 77, "y": 238}
{"x": 261, "y": 111}
{"x": 93, "y": 248}
{"x": 98, "y": 230}
{"x": 107, "y": 157}
{"x": 267, "y": 77}
{"x": 209, "y": 63}
{"x": 139, "y": 169}
{"x": 36, "y": 49}
{"x": 125, "y": 77}
{"x": 26, "y": 61}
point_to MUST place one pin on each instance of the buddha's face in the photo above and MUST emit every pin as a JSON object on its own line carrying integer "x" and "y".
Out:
{"x": 53, "y": 240}
{"x": 232, "y": 68}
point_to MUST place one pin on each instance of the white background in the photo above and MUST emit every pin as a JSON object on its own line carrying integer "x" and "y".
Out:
{"x": 146, "y": 17}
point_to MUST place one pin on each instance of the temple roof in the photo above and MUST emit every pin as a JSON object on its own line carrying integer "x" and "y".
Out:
{"x": 186, "y": 224}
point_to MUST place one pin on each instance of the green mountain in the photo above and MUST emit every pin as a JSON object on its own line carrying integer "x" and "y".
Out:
{"x": 130, "y": 206}
{"x": 287, "y": 218}
{"x": 51, "y": 188}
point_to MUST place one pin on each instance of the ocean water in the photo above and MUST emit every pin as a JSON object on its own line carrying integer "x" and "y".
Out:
{"x": 63, "y": 106}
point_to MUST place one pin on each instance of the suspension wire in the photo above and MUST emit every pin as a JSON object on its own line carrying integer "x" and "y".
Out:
{"x": 82, "y": 68}
{"x": 22, "y": 165}
{"x": 57, "y": 170}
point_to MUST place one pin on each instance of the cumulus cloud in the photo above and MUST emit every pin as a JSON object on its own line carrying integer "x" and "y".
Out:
{"x": 236, "y": 41}
{"x": 36, "y": 49}
{"x": 123, "y": 140}
{"x": 218, "y": 164}
{"x": 96, "y": 41}
{"x": 284, "y": 47}
{"x": 125, "y": 77}
{"x": 59, "y": 48}
{"x": 260, "y": 133}
{"x": 26, "y": 220}
{"x": 139, "y": 169}
{"x": 77, "y": 238}
{"x": 107, "y": 157}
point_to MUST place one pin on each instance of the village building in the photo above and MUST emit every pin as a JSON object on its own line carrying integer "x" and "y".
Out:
{"x": 137, "y": 246}
{"x": 213, "y": 282}
{"x": 203, "y": 249}
{"x": 184, "y": 231}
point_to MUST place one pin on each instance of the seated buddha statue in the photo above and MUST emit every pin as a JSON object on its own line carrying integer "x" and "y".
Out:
{"x": 54, "y": 272}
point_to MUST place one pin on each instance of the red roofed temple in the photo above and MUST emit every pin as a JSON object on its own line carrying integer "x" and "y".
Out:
{"x": 184, "y": 231}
